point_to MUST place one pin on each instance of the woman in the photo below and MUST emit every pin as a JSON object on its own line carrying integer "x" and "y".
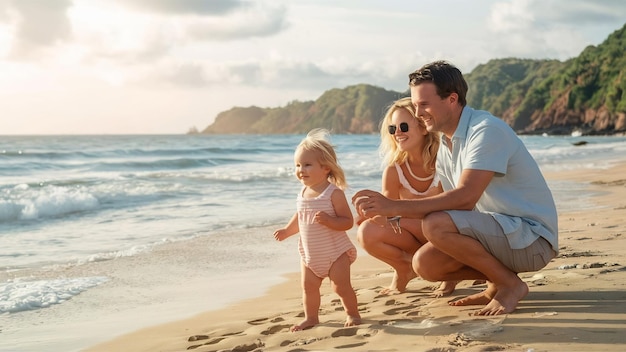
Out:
{"x": 409, "y": 153}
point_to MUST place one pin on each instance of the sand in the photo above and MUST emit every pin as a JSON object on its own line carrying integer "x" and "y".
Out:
{"x": 576, "y": 303}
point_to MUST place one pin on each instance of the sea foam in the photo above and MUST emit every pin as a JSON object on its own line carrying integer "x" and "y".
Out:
{"x": 20, "y": 295}
{"x": 23, "y": 202}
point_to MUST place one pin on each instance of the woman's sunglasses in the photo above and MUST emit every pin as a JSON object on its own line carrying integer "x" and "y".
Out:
{"x": 404, "y": 127}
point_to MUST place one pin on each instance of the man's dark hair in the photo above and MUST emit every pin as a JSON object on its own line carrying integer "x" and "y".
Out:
{"x": 447, "y": 78}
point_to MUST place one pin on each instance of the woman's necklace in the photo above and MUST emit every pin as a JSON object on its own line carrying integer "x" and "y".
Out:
{"x": 417, "y": 177}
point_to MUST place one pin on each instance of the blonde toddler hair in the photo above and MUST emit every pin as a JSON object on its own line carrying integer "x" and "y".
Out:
{"x": 318, "y": 140}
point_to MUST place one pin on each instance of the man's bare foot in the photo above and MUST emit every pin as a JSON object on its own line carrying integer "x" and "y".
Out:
{"x": 505, "y": 300}
{"x": 352, "y": 321}
{"x": 399, "y": 282}
{"x": 305, "y": 324}
{"x": 481, "y": 298}
{"x": 445, "y": 289}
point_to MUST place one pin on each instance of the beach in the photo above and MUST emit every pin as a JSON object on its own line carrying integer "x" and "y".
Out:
{"x": 576, "y": 303}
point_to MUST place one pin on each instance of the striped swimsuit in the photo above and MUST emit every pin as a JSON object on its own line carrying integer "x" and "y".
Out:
{"x": 319, "y": 245}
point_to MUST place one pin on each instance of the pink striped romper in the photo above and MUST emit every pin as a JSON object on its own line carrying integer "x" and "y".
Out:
{"x": 319, "y": 245}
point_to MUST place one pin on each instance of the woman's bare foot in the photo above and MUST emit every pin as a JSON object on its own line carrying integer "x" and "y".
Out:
{"x": 445, "y": 289}
{"x": 399, "y": 282}
{"x": 305, "y": 324}
{"x": 505, "y": 300}
{"x": 352, "y": 321}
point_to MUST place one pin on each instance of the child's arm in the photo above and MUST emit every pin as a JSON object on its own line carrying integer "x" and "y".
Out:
{"x": 343, "y": 220}
{"x": 289, "y": 230}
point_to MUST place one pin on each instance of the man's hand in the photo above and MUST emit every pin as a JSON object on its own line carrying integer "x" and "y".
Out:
{"x": 369, "y": 204}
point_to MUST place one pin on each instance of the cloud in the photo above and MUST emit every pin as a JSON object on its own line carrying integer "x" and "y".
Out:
{"x": 277, "y": 73}
{"x": 108, "y": 31}
{"x": 185, "y": 75}
{"x": 188, "y": 7}
{"x": 269, "y": 74}
{"x": 249, "y": 22}
{"x": 220, "y": 20}
{"x": 555, "y": 28}
{"x": 113, "y": 34}
{"x": 541, "y": 15}
{"x": 36, "y": 24}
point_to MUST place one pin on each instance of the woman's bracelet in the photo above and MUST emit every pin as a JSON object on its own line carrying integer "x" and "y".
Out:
{"x": 394, "y": 221}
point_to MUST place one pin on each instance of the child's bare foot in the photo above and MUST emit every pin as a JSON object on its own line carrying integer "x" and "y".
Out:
{"x": 305, "y": 324}
{"x": 399, "y": 282}
{"x": 445, "y": 289}
{"x": 352, "y": 321}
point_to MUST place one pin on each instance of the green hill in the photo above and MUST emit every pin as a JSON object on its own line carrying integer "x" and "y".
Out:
{"x": 586, "y": 93}
{"x": 354, "y": 109}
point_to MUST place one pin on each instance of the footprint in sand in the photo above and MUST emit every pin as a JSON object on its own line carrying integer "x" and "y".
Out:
{"x": 212, "y": 342}
{"x": 400, "y": 310}
{"x": 390, "y": 302}
{"x": 258, "y": 321}
{"x": 248, "y": 347}
{"x": 352, "y": 345}
{"x": 274, "y": 329}
{"x": 345, "y": 332}
{"x": 395, "y": 321}
{"x": 265, "y": 320}
{"x": 415, "y": 313}
{"x": 287, "y": 343}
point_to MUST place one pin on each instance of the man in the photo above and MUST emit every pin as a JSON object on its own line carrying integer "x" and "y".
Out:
{"x": 496, "y": 216}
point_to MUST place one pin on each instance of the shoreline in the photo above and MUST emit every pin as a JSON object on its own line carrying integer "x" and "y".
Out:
{"x": 171, "y": 282}
{"x": 576, "y": 303}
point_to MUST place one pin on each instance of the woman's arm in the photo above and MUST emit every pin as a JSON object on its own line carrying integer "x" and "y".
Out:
{"x": 391, "y": 183}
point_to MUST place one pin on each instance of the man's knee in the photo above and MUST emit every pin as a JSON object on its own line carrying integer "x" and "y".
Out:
{"x": 435, "y": 224}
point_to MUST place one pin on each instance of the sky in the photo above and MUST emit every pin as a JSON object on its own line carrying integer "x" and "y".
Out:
{"x": 166, "y": 66}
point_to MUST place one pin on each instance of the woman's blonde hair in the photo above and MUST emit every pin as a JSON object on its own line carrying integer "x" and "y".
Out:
{"x": 318, "y": 140}
{"x": 388, "y": 148}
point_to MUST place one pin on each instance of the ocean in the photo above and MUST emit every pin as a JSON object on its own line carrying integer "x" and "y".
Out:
{"x": 80, "y": 217}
